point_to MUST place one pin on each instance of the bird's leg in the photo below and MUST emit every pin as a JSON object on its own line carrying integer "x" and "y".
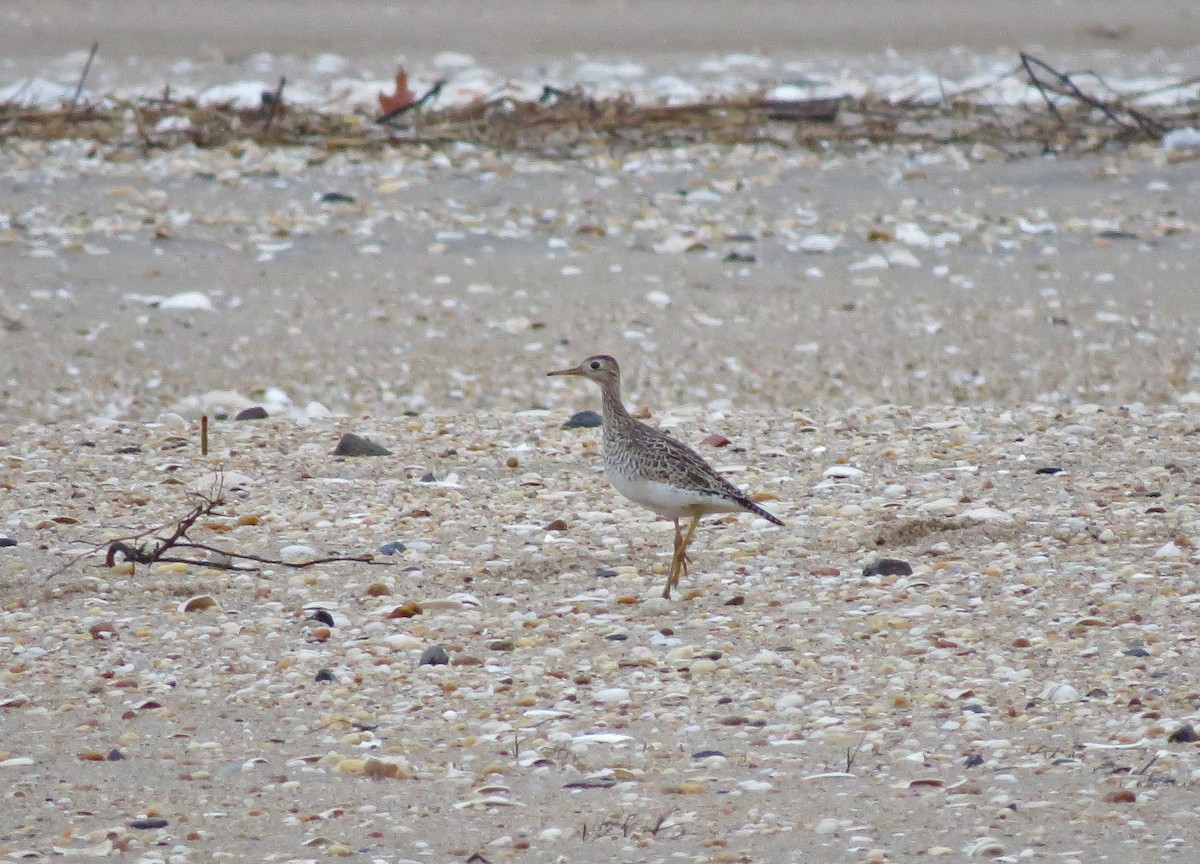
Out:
{"x": 683, "y": 544}
{"x": 671, "y": 574}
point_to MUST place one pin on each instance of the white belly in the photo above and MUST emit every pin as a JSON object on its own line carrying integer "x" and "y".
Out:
{"x": 670, "y": 501}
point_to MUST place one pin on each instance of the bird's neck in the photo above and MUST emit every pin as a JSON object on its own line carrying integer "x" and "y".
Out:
{"x": 610, "y": 400}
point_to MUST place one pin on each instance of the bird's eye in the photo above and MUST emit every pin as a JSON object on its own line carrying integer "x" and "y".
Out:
{"x": 595, "y": 364}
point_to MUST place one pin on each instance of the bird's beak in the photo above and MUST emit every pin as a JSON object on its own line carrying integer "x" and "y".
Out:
{"x": 573, "y": 371}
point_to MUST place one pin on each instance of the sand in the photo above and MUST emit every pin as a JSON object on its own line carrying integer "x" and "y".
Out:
{"x": 984, "y": 367}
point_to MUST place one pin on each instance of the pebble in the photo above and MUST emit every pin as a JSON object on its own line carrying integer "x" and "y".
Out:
{"x": 352, "y": 445}
{"x": 255, "y": 413}
{"x": 611, "y": 695}
{"x": 434, "y": 655}
{"x": 392, "y": 547}
{"x": 584, "y": 420}
{"x": 8, "y": 541}
{"x": 294, "y": 553}
{"x": 887, "y": 567}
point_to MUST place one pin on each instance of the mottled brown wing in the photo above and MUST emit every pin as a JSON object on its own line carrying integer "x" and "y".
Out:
{"x": 668, "y": 461}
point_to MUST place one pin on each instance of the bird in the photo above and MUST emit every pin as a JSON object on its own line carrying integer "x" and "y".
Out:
{"x": 656, "y": 471}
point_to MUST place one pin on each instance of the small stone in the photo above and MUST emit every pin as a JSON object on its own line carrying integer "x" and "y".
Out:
{"x": 1122, "y": 796}
{"x": 393, "y": 547}
{"x": 500, "y": 645}
{"x": 256, "y": 413}
{"x": 428, "y": 477}
{"x": 611, "y": 695}
{"x": 355, "y": 445}
{"x": 1185, "y": 734}
{"x": 408, "y": 609}
{"x": 7, "y": 541}
{"x": 584, "y": 420}
{"x": 887, "y": 567}
{"x": 556, "y": 525}
{"x": 199, "y": 604}
{"x": 828, "y": 825}
{"x": 148, "y": 824}
{"x": 1137, "y": 652}
{"x": 1049, "y": 469}
{"x": 324, "y": 676}
{"x": 1060, "y": 693}
{"x": 606, "y": 574}
{"x": 434, "y": 655}
{"x": 973, "y": 761}
{"x": 715, "y": 440}
{"x": 337, "y": 198}
{"x": 114, "y": 755}
{"x": 1169, "y": 552}
{"x": 378, "y": 589}
{"x": 704, "y": 754}
{"x": 322, "y": 615}
{"x": 294, "y": 553}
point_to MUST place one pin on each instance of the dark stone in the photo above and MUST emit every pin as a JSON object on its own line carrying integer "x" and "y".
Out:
{"x": 428, "y": 477}
{"x": 599, "y": 783}
{"x": 887, "y": 567}
{"x": 434, "y": 655}
{"x": 739, "y": 257}
{"x": 395, "y": 547}
{"x": 1049, "y": 469}
{"x": 126, "y": 451}
{"x": 356, "y": 445}
{"x": 584, "y": 420}
{"x": 1137, "y": 652}
{"x": 324, "y": 676}
{"x": 704, "y": 754}
{"x": 606, "y": 574}
{"x": 323, "y": 616}
{"x": 114, "y": 755}
{"x": 1185, "y": 734}
{"x": 337, "y": 198}
{"x": 973, "y": 761}
{"x": 256, "y": 412}
{"x": 616, "y": 637}
{"x": 8, "y": 541}
{"x": 148, "y": 824}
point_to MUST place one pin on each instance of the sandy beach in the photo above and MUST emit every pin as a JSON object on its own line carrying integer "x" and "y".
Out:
{"x": 982, "y": 366}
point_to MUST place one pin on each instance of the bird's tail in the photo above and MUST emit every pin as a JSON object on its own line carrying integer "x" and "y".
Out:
{"x": 759, "y": 511}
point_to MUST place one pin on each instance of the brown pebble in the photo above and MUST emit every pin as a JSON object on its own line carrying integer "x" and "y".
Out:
{"x": 378, "y": 589}
{"x": 512, "y": 462}
{"x": 715, "y": 440}
{"x": 556, "y": 525}
{"x": 1122, "y": 796}
{"x": 407, "y": 609}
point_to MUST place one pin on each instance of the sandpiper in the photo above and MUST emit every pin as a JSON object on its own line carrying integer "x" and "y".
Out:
{"x": 655, "y": 470}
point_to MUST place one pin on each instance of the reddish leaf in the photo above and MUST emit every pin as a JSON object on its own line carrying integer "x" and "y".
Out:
{"x": 716, "y": 440}
{"x": 402, "y": 98}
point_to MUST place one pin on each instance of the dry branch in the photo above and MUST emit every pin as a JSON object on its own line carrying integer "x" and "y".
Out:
{"x": 161, "y": 545}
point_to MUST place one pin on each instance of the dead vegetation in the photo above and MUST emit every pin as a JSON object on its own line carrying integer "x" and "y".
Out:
{"x": 1077, "y": 113}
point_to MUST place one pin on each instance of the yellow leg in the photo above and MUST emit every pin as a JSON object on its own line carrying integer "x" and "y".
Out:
{"x": 672, "y": 575}
{"x": 681, "y": 549}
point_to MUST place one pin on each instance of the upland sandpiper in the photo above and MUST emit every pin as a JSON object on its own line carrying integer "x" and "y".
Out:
{"x": 656, "y": 471}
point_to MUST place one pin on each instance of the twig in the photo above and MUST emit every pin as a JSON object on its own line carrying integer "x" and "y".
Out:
{"x": 1064, "y": 86}
{"x": 275, "y": 104}
{"x": 425, "y": 99}
{"x": 129, "y": 550}
{"x": 87, "y": 67}
{"x": 204, "y": 435}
